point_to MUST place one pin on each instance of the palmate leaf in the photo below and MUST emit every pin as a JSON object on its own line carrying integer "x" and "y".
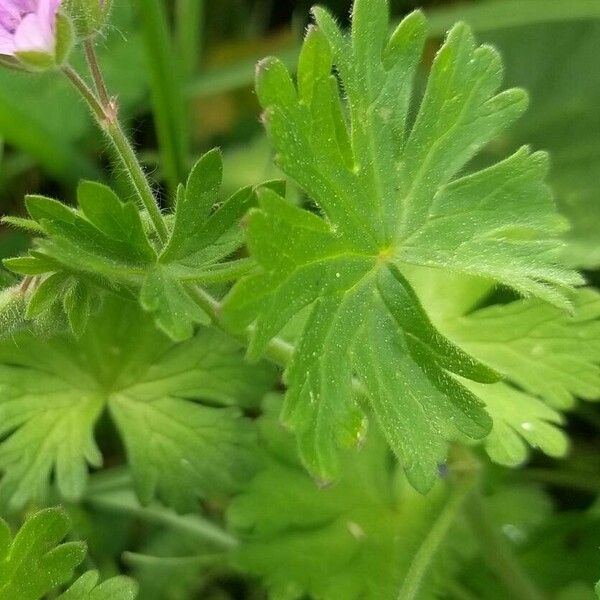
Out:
{"x": 357, "y": 539}
{"x": 104, "y": 243}
{"x": 175, "y": 405}
{"x": 548, "y": 357}
{"x": 35, "y": 562}
{"x": 390, "y": 194}
{"x": 549, "y": 353}
{"x": 562, "y": 119}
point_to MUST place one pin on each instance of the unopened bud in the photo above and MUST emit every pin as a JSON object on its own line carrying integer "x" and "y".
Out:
{"x": 89, "y": 16}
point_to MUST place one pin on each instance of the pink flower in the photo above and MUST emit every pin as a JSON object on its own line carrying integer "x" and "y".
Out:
{"x": 28, "y": 26}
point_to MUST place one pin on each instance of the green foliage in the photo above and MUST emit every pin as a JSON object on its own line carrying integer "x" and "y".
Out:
{"x": 562, "y": 118}
{"x": 174, "y": 405}
{"x": 548, "y": 357}
{"x": 390, "y": 195}
{"x": 547, "y": 352}
{"x": 105, "y": 242}
{"x": 357, "y": 539}
{"x": 35, "y": 562}
{"x": 87, "y": 588}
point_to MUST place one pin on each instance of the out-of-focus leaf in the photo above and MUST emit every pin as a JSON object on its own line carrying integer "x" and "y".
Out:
{"x": 556, "y": 64}
{"x": 358, "y": 539}
{"x": 174, "y": 405}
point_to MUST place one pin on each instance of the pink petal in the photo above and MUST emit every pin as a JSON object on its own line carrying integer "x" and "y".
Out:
{"x": 10, "y": 16}
{"x": 34, "y": 35}
{"x": 7, "y": 43}
{"x": 47, "y": 10}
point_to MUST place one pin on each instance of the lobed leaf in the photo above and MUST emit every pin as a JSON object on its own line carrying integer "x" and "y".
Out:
{"x": 357, "y": 539}
{"x": 174, "y": 405}
{"x": 104, "y": 244}
{"x": 35, "y": 561}
{"x": 390, "y": 194}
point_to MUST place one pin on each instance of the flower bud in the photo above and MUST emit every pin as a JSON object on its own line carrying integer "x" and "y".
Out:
{"x": 89, "y": 16}
{"x": 33, "y": 34}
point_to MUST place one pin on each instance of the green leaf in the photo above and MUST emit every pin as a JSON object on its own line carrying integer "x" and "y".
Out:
{"x": 47, "y": 427}
{"x": 390, "y": 194}
{"x": 87, "y": 588}
{"x": 520, "y": 420}
{"x": 118, "y": 221}
{"x": 174, "y": 405}
{"x": 563, "y": 118}
{"x": 104, "y": 243}
{"x": 35, "y": 562}
{"x": 545, "y": 351}
{"x": 548, "y": 357}
{"x": 199, "y": 222}
{"x": 361, "y": 538}
{"x": 175, "y": 311}
{"x": 195, "y": 203}
{"x": 180, "y": 451}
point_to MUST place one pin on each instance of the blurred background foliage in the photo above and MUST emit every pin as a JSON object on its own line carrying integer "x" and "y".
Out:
{"x": 201, "y": 95}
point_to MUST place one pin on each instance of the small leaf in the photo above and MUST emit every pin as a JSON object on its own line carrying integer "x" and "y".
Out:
{"x": 36, "y": 562}
{"x": 87, "y": 588}
{"x": 194, "y": 206}
{"x": 175, "y": 311}
{"x": 118, "y": 221}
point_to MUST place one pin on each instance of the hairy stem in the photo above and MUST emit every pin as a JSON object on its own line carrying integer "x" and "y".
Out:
{"x": 85, "y": 92}
{"x": 96, "y": 72}
{"x": 134, "y": 169}
{"x": 278, "y": 351}
{"x": 497, "y": 554}
{"x": 106, "y": 115}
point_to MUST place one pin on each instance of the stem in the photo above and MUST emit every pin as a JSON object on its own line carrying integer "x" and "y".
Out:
{"x": 278, "y": 351}
{"x": 134, "y": 169}
{"x": 86, "y": 92}
{"x": 106, "y": 117}
{"x": 462, "y": 486}
{"x": 96, "y": 72}
{"x": 497, "y": 554}
{"x": 192, "y": 525}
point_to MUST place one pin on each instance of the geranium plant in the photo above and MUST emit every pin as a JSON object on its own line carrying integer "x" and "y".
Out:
{"x": 320, "y": 385}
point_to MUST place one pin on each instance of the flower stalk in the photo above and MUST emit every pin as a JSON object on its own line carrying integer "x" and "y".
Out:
{"x": 105, "y": 110}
